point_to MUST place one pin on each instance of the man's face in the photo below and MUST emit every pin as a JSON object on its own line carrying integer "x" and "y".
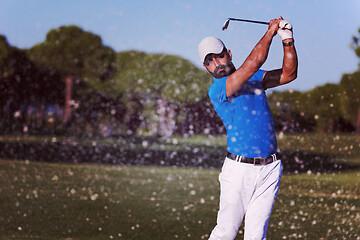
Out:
{"x": 219, "y": 65}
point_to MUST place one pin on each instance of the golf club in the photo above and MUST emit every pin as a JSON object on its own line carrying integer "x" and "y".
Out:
{"x": 226, "y": 24}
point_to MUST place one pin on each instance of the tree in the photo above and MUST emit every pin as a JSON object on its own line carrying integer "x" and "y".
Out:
{"x": 356, "y": 44}
{"x": 350, "y": 87}
{"x": 161, "y": 83}
{"x": 290, "y": 112}
{"x": 75, "y": 54}
{"x": 325, "y": 101}
{"x": 18, "y": 88}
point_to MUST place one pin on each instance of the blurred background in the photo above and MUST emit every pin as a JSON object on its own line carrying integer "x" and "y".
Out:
{"x": 119, "y": 67}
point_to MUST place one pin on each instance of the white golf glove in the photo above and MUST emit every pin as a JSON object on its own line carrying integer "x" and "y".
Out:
{"x": 285, "y": 30}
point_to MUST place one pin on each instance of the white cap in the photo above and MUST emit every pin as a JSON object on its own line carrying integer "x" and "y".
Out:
{"x": 210, "y": 45}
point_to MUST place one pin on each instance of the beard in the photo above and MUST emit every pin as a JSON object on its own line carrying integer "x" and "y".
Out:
{"x": 223, "y": 71}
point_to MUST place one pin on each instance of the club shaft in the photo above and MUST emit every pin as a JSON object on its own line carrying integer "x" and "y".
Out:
{"x": 246, "y": 20}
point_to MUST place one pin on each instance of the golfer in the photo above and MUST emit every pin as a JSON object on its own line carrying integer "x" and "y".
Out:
{"x": 251, "y": 172}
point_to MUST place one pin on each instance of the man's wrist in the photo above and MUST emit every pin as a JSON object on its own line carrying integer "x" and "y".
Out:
{"x": 271, "y": 32}
{"x": 288, "y": 42}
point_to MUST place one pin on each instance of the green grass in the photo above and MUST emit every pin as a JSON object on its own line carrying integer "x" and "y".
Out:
{"x": 56, "y": 201}
{"x": 88, "y": 201}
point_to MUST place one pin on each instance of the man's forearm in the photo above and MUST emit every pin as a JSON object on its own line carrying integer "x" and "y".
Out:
{"x": 290, "y": 62}
{"x": 260, "y": 52}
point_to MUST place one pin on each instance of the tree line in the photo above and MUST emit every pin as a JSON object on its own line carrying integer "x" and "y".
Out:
{"x": 73, "y": 84}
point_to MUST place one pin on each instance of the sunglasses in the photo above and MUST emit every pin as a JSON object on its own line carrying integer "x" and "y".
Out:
{"x": 209, "y": 58}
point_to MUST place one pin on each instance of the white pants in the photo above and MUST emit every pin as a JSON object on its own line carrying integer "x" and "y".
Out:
{"x": 246, "y": 189}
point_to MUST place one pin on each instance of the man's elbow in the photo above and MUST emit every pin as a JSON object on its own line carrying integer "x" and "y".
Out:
{"x": 286, "y": 78}
{"x": 293, "y": 76}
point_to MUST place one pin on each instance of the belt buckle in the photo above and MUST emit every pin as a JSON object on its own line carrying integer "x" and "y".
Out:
{"x": 259, "y": 161}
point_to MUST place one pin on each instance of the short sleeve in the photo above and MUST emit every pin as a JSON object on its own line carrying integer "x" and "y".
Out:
{"x": 259, "y": 75}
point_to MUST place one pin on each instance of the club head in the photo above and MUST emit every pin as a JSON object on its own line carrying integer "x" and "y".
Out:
{"x": 226, "y": 24}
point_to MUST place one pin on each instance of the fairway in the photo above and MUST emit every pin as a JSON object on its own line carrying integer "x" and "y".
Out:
{"x": 59, "y": 201}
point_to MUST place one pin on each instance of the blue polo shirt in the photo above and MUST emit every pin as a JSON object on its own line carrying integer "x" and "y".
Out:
{"x": 247, "y": 117}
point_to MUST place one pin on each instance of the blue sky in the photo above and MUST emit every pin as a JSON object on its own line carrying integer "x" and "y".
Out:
{"x": 323, "y": 29}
